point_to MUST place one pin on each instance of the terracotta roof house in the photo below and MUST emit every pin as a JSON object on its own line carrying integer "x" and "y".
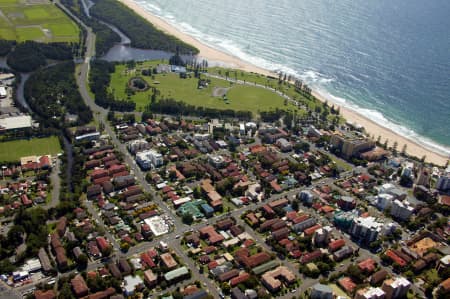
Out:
{"x": 347, "y": 284}
{"x": 228, "y": 275}
{"x": 103, "y": 294}
{"x": 168, "y": 260}
{"x": 239, "y": 279}
{"x": 40, "y": 294}
{"x": 309, "y": 257}
{"x": 242, "y": 255}
{"x": 150, "y": 278}
{"x": 273, "y": 279}
{"x": 281, "y": 233}
{"x": 102, "y": 244}
{"x": 213, "y": 236}
{"x": 79, "y": 286}
{"x": 395, "y": 258}
{"x": 61, "y": 226}
{"x": 225, "y": 224}
{"x": 367, "y": 265}
{"x": 335, "y": 245}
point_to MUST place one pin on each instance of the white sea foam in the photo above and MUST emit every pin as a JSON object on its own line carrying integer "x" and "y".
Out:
{"x": 315, "y": 79}
{"x": 381, "y": 120}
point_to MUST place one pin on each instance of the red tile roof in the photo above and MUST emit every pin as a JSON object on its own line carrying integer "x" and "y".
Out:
{"x": 335, "y": 245}
{"x": 395, "y": 258}
{"x": 309, "y": 231}
{"x": 368, "y": 265}
{"x": 40, "y": 294}
{"x": 239, "y": 279}
{"x": 348, "y": 284}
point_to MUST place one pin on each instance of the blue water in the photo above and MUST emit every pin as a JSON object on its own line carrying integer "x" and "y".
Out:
{"x": 387, "y": 59}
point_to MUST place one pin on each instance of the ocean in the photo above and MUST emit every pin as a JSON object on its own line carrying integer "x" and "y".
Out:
{"x": 389, "y": 60}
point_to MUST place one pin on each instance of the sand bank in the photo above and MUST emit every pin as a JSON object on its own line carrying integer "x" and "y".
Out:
{"x": 214, "y": 55}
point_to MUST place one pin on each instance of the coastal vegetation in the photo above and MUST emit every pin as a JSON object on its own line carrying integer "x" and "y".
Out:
{"x": 99, "y": 80}
{"x": 105, "y": 37}
{"x": 29, "y": 56}
{"x": 53, "y": 94}
{"x": 43, "y": 22}
{"x": 142, "y": 33}
{"x": 12, "y": 151}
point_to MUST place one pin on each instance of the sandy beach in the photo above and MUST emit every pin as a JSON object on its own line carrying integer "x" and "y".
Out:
{"x": 214, "y": 55}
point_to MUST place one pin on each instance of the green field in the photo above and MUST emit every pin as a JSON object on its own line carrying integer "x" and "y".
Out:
{"x": 12, "y": 151}
{"x": 238, "y": 97}
{"x": 41, "y": 21}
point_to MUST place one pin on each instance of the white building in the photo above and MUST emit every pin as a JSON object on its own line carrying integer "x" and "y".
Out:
{"x": 396, "y": 288}
{"x": 138, "y": 145}
{"x": 3, "y": 92}
{"x": 254, "y": 192}
{"x": 321, "y": 235}
{"x": 401, "y": 209}
{"x": 216, "y": 160}
{"x": 370, "y": 293}
{"x": 385, "y": 188}
{"x": 130, "y": 283}
{"x": 408, "y": 169}
{"x": 16, "y": 122}
{"x": 149, "y": 158}
{"x": 366, "y": 229}
{"x": 242, "y": 129}
{"x": 383, "y": 201}
{"x": 251, "y": 126}
{"x": 32, "y": 265}
{"x": 284, "y": 145}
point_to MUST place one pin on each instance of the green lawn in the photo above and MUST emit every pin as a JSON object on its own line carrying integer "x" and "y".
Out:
{"x": 29, "y": 33}
{"x": 286, "y": 88}
{"x": 20, "y": 21}
{"x": 239, "y": 97}
{"x": 9, "y": 2}
{"x": 37, "y": 13}
{"x": 12, "y": 151}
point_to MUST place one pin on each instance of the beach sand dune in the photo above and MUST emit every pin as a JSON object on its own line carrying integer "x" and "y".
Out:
{"x": 214, "y": 55}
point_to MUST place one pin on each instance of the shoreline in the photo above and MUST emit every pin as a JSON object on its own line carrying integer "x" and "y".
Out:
{"x": 216, "y": 56}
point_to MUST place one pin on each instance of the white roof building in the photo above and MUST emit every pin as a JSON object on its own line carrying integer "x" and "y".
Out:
{"x": 16, "y": 122}
{"x": 130, "y": 284}
{"x": 370, "y": 293}
{"x": 32, "y": 265}
{"x": 3, "y": 92}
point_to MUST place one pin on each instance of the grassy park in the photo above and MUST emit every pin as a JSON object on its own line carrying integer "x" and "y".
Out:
{"x": 219, "y": 94}
{"x": 40, "y": 20}
{"x": 12, "y": 151}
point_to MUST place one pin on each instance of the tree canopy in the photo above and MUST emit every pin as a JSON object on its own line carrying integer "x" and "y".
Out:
{"x": 142, "y": 33}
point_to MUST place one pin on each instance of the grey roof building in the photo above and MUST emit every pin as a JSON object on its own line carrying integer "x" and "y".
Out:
{"x": 321, "y": 291}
